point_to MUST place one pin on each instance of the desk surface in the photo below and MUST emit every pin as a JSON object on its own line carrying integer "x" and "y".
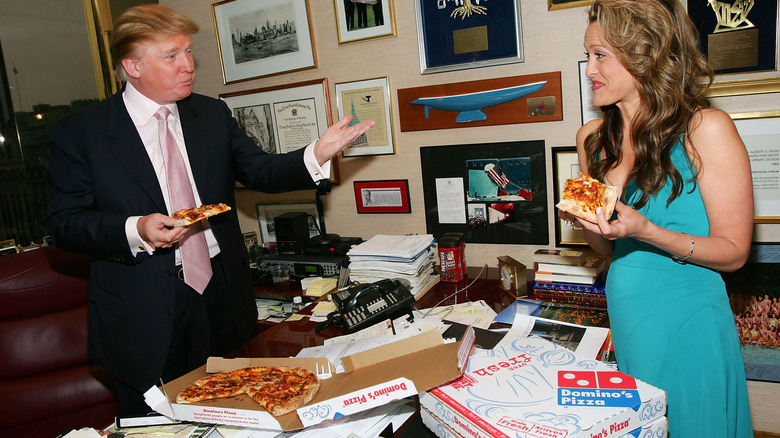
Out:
{"x": 287, "y": 338}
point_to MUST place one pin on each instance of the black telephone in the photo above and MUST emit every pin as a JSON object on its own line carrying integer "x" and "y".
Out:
{"x": 363, "y": 305}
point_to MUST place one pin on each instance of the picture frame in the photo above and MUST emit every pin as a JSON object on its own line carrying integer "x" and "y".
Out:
{"x": 247, "y": 52}
{"x": 565, "y": 165}
{"x": 285, "y": 117}
{"x": 760, "y": 131}
{"x": 390, "y": 196}
{"x": 463, "y": 193}
{"x": 367, "y": 100}
{"x": 588, "y": 111}
{"x": 266, "y": 212}
{"x": 554, "y": 5}
{"x": 486, "y": 102}
{"x": 252, "y": 247}
{"x": 759, "y": 73}
{"x": 464, "y": 36}
{"x": 752, "y": 288}
{"x": 380, "y": 20}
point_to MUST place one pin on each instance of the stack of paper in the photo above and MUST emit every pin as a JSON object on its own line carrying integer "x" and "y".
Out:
{"x": 405, "y": 257}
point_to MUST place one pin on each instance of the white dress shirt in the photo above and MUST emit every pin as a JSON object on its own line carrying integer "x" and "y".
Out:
{"x": 141, "y": 110}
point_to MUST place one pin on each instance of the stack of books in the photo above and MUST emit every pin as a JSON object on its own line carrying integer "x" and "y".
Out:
{"x": 405, "y": 257}
{"x": 569, "y": 277}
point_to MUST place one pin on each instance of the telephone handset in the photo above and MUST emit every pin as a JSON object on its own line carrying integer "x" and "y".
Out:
{"x": 366, "y": 304}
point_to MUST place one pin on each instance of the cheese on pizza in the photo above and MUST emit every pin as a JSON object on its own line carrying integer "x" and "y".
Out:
{"x": 189, "y": 216}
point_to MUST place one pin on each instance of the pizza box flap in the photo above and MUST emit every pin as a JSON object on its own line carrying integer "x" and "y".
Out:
{"x": 402, "y": 348}
{"x": 224, "y": 365}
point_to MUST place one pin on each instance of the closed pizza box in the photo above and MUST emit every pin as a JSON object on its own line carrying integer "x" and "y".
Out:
{"x": 535, "y": 388}
{"x": 657, "y": 428}
{"x": 372, "y": 378}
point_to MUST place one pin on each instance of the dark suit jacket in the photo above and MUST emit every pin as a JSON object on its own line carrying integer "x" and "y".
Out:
{"x": 100, "y": 174}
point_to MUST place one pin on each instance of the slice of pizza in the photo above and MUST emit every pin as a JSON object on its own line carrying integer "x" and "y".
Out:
{"x": 582, "y": 196}
{"x": 293, "y": 390}
{"x": 189, "y": 216}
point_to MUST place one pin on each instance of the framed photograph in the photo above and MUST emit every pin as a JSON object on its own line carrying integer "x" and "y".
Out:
{"x": 760, "y": 131}
{"x": 752, "y": 291}
{"x": 565, "y": 166}
{"x": 267, "y": 212}
{"x": 463, "y": 35}
{"x": 252, "y": 248}
{"x": 284, "y": 118}
{"x": 368, "y": 100}
{"x": 382, "y": 196}
{"x": 361, "y": 20}
{"x": 490, "y": 192}
{"x": 588, "y": 111}
{"x": 553, "y": 5}
{"x": 741, "y": 45}
{"x": 257, "y": 39}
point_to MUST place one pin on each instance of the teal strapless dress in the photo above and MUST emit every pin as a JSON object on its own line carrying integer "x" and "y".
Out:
{"x": 672, "y": 325}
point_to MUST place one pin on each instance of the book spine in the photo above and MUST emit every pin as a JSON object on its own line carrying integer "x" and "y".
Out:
{"x": 597, "y": 288}
{"x": 595, "y": 301}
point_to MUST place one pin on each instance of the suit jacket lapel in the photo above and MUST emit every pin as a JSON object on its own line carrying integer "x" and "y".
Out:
{"x": 196, "y": 142}
{"x": 130, "y": 151}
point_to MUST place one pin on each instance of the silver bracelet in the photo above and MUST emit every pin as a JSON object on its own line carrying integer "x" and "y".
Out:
{"x": 683, "y": 260}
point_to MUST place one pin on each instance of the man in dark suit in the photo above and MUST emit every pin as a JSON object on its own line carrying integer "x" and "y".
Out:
{"x": 110, "y": 198}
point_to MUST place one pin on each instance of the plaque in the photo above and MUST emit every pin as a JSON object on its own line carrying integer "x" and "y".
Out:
{"x": 737, "y": 36}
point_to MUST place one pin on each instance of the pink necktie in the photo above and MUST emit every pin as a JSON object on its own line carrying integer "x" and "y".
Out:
{"x": 195, "y": 259}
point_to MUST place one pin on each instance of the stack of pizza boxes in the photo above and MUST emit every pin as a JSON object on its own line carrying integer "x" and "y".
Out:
{"x": 533, "y": 388}
{"x": 372, "y": 378}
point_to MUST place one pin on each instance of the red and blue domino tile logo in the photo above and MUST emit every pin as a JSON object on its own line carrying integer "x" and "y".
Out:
{"x": 597, "y": 388}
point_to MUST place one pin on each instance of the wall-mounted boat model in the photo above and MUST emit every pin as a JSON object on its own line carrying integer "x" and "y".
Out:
{"x": 470, "y": 105}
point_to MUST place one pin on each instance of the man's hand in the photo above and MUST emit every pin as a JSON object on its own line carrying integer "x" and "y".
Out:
{"x": 338, "y": 137}
{"x": 157, "y": 230}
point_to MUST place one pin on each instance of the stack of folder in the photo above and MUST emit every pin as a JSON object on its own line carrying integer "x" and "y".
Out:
{"x": 405, "y": 257}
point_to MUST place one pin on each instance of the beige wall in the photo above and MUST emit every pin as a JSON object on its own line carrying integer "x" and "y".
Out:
{"x": 552, "y": 42}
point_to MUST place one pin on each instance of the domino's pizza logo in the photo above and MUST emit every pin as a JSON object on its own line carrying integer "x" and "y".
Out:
{"x": 597, "y": 388}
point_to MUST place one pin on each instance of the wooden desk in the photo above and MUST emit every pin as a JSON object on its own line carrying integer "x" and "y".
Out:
{"x": 287, "y": 338}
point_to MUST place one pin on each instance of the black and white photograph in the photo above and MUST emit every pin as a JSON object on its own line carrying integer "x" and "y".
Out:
{"x": 259, "y": 39}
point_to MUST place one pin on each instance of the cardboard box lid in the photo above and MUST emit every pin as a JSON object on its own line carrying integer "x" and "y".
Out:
{"x": 427, "y": 362}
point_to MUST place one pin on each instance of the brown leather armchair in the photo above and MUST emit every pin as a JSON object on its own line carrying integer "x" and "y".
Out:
{"x": 47, "y": 383}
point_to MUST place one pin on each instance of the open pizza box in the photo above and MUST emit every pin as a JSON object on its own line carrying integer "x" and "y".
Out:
{"x": 372, "y": 378}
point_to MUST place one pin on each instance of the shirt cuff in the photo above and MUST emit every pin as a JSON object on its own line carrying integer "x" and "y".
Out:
{"x": 316, "y": 171}
{"x": 137, "y": 244}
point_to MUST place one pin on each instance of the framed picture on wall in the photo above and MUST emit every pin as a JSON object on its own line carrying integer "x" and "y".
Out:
{"x": 368, "y": 100}
{"x": 565, "y": 165}
{"x": 463, "y": 35}
{"x": 490, "y": 192}
{"x": 760, "y": 131}
{"x": 553, "y": 5}
{"x": 284, "y": 118}
{"x": 588, "y": 111}
{"x": 741, "y": 45}
{"x": 362, "y": 20}
{"x": 382, "y": 196}
{"x": 266, "y": 213}
{"x": 257, "y": 39}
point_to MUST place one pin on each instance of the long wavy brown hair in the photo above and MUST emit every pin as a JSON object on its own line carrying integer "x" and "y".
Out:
{"x": 657, "y": 43}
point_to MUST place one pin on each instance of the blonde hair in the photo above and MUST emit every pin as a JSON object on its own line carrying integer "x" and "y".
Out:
{"x": 658, "y": 44}
{"x": 144, "y": 23}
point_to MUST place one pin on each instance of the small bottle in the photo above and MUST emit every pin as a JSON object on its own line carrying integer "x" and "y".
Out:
{"x": 297, "y": 304}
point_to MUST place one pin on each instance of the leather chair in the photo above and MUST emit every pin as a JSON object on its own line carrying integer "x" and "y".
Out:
{"x": 47, "y": 383}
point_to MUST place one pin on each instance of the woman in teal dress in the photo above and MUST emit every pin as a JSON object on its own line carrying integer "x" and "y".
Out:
{"x": 686, "y": 212}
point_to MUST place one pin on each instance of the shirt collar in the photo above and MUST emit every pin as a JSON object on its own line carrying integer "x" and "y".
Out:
{"x": 141, "y": 108}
